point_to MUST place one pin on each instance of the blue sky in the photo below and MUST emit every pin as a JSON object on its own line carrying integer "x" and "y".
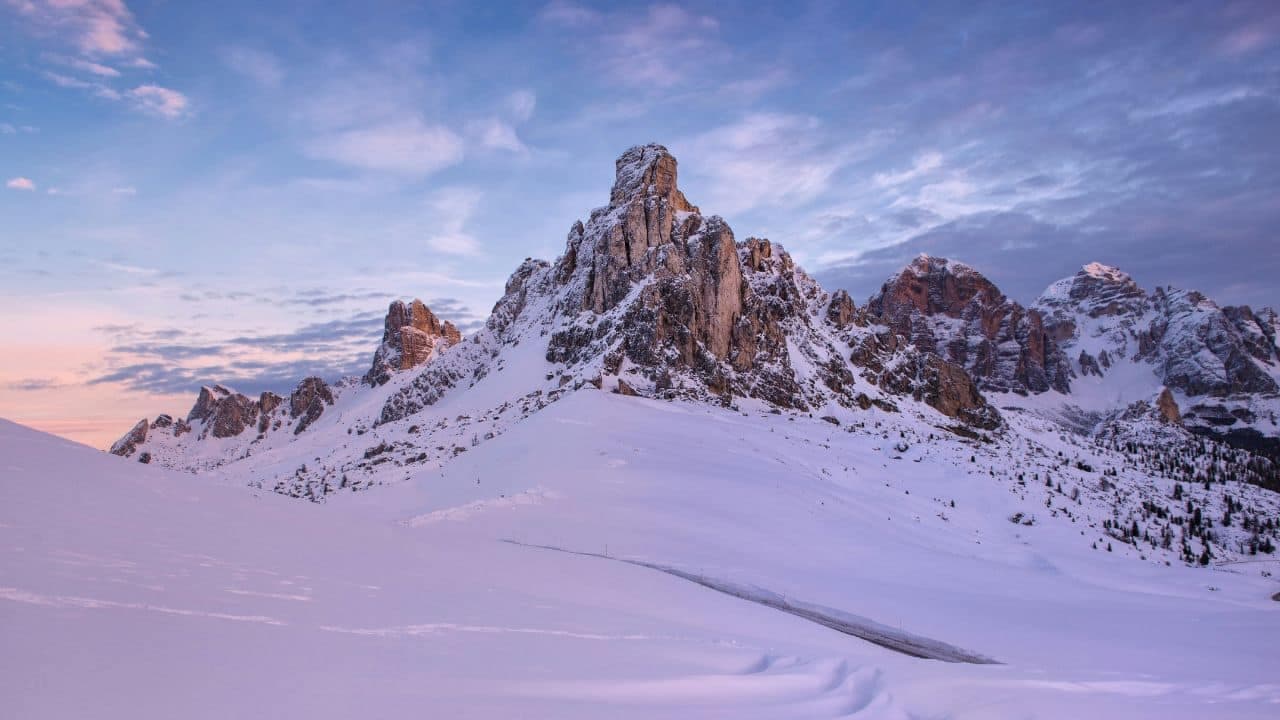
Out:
{"x": 233, "y": 191}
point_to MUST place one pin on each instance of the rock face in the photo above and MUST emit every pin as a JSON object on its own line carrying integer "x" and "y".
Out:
{"x": 412, "y": 335}
{"x": 308, "y": 401}
{"x": 1193, "y": 346}
{"x": 128, "y": 444}
{"x": 1216, "y": 369}
{"x": 889, "y": 361}
{"x": 220, "y": 412}
{"x": 224, "y": 412}
{"x": 653, "y": 298}
{"x": 950, "y": 309}
{"x": 1168, "y": 407}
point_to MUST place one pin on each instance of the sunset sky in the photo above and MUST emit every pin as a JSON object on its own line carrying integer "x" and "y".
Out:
{"x": 200, "y": 192}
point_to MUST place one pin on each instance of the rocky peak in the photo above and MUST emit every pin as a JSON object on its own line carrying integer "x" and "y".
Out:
{"x": 934, "y": 286}
{"x": 223, "y": 411}
{"x": 411, "y": 336}
{"x": 647, "y": 172}
{"x": 950, "y": 309}
{"x": 675, "y": 306}
{"x": 1097, "y": 290}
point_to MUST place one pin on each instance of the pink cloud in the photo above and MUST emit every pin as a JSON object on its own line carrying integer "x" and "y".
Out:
{"x": 20, "y": 183}
{"x": 160, "y": 100}
{"x": 95, "y": 27}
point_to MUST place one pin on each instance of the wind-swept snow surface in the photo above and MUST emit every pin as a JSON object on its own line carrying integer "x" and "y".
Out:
{"x": 128, "y": 591}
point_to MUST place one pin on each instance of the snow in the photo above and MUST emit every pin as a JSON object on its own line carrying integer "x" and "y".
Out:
{"x": 131, "y": 591}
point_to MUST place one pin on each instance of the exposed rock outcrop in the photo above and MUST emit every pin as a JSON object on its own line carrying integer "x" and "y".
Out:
{"x": 950, "y": 309}
{"x": 1168, "y": 407}
{"x": 224, "y": 412}
{"x": 680, "y": 305}
{"x": 412, "y": 335}
{"x": 889, "y": 361}
{"x": 128, "y": 445}
{"x": 308, "y": 401}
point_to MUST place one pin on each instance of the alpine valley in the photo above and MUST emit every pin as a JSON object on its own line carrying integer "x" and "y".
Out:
{"x": 673, "y": 476}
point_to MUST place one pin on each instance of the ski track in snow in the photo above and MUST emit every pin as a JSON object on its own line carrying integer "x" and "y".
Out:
{"x": 838, "y": 620}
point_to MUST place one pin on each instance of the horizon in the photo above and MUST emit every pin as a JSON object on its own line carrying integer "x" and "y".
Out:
{"x": 188, "y": 204}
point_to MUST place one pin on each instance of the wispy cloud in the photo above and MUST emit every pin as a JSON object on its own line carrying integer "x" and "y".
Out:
{"x": 497, "y": 134}
{"x": 107, "y": 38}
{"x": 86, "y": 66}
{"x": 20, "y": 183}
{"x": 34, "y": 384}
{"x": 520, "y": 105}
{"x": 450, "y": 210}
{"x": 768, "y": 159}
{"x": 161, "y": 101}
{"x": 408, "y": 146}
{"x": 95, "y": 27}
{"x": 259, "y": 66}
{"x": 652, "y": 48}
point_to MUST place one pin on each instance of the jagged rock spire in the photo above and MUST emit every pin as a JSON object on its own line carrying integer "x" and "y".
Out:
{"x": 411, "y": 336}
{"x": 647, "y": 171}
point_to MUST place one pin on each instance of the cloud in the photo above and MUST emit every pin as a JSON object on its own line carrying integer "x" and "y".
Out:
{"x": 257, "y": 65}
{"x": 125, "y": 190}
{"x": 568, "y": 14}
{"x": 520, "y": 105}
{"x": 496, "y": 134}
{"x": 20, "y": 183}
{"x": 96, "y": 88}
{"x": 924, "y": 164}
{"x": 766, "y": 159}
{"x": 450, "y": 210}
{"x": 159, "y": 100}
{"x": 180, "y": 360}
{"x": 101, "y": 31}
{"x": 407, "y": 146}
{"x": 95, "y": 27}
{"x": 34, "y": 384}
{"x": 655, "y": 49}
{"x": 88, "y": 66}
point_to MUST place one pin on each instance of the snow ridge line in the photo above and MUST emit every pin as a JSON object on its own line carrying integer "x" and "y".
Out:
{"x": 857, "y": 626}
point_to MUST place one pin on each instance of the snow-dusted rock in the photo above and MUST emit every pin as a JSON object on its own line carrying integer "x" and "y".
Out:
{"x": 947, "y": 307}
{"x": 1220, "y": 363}
{"x": 412, "y": 335}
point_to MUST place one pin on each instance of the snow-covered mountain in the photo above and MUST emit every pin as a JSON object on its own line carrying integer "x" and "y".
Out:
{"x": 1095, "y": 344}
{"x": 673, "y": 477}
{"x": 1221, "y": 364}
{"x": 649, "y": 298}
{"x": 652, "y": 298}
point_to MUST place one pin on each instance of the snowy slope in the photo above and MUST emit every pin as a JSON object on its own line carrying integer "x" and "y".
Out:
{"x": 132, "y": 591}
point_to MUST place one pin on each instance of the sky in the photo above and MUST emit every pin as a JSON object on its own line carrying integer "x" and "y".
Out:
{"x": 233, "y": 192}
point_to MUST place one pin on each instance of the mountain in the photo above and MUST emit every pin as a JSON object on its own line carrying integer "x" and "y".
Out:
{"x": 690, "y": 482}
{"x": 1221, "y": 364}
{"x": 1094, "y": 344}
{"x": 949, "y": 308}
{"x": 650, "y": 298}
